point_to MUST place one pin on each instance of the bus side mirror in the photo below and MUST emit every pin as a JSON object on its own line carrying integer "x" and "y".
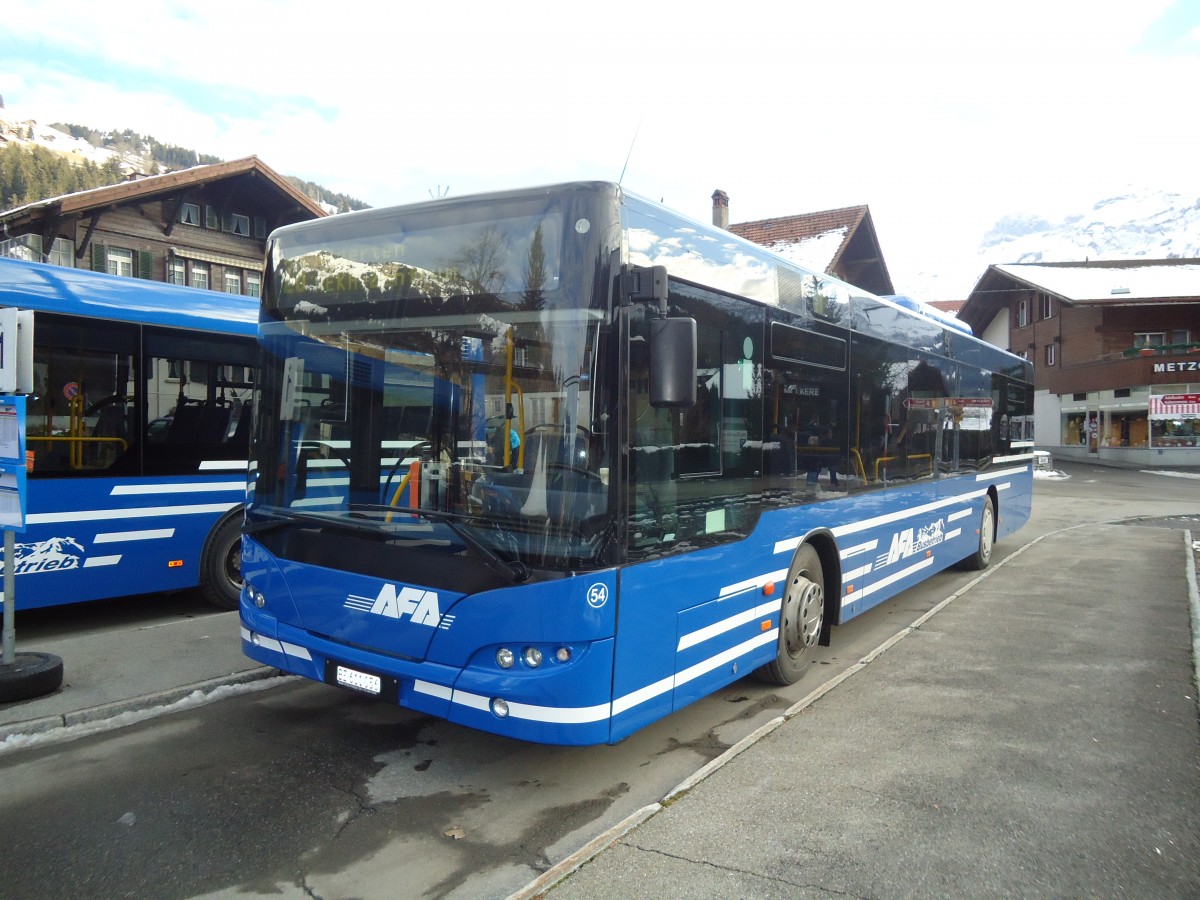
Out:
{"x": 673, "y": 363}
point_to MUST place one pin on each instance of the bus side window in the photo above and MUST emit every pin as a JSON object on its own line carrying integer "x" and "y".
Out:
{"x": 81, "y": 417}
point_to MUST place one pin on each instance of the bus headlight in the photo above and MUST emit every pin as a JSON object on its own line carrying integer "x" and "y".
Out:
{"x": 500, "y": 708}
{"x": 259, "y": 600}
{"x": 532, "y": 657}
{"x": 505, "y": 658}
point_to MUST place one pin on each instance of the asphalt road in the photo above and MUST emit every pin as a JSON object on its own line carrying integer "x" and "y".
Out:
{"x": 307, "y": 791}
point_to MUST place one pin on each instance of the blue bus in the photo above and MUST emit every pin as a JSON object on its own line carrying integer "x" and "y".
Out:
{"x": 139, "y": 427}
{"x": 552, "y": 463}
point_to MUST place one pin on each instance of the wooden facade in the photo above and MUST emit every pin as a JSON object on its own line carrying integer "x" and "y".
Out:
{"x": 205, "y": 226}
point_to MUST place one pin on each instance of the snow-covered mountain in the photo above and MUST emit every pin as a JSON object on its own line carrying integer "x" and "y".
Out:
{"x": 1157, "y": 225}
{"x": 1147, "y": 224}
{"x": 19, "y": 127}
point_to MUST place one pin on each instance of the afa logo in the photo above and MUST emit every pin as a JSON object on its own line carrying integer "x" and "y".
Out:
{"x": 418, "y": 606}
{"x": 905, "y": 543}
{"x": 54, "y": 555}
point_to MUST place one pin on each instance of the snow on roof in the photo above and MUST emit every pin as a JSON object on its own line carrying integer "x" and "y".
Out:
{"x": 816, "y": 253}
{"x": 1092, "y": 282}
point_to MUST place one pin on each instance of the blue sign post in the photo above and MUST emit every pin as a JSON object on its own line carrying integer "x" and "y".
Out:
{"x": 29, "y": 674}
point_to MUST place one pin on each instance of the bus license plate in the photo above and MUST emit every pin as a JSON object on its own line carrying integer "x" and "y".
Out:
{"x": 359, "y": 681}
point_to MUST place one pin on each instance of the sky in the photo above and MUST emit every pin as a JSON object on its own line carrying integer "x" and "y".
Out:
{"x": 941, "y": 115}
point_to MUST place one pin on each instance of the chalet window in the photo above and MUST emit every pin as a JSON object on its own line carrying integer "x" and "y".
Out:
{"x": 199, "y": 275}
{"x": 189, "y": 214}
{"x": 1022, "y": 313}
{"x": 260, "y": 227}
{"x": 1149, "y": 339}
{"x": 1179, "y": 336}
{"x": 120, "y": 262}
{"x": 253, "y": 284}
{"x": 177, "y": 271}
{"x": 1120, "y": 393}
{"x": 233, "y": 283}
{"x": 1047, "y": 306}
{"x": 62, "y": 253}
{"x": 210, "y": 217}
{"x": 1050, "y": 348}
{"x": 235, "y": 224}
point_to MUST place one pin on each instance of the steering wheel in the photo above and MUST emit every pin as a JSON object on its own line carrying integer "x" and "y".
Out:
{"x": 107, "y": 401}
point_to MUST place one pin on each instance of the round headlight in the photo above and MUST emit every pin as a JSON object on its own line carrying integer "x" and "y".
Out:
{"x": 505, "y": 658}
{"x": 499, "y": 707}
{"x": 563, "y": 654}
{"x": 532, "y": 657}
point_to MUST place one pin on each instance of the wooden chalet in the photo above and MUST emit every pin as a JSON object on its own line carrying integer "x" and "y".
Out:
{"x": 205, "y": 226}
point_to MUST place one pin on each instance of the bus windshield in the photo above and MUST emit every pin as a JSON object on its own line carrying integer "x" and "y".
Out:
{"x": 431, "y": 387}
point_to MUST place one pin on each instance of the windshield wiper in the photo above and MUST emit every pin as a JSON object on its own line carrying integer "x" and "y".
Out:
{"x": 514, "y": 569}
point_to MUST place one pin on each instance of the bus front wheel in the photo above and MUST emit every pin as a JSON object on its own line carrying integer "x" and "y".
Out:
{"x": 221, "y": 564}
{"x": 800, "y": 619}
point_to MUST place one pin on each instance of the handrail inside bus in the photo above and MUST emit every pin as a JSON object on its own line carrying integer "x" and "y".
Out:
{"x": 76, "y": 450}
{"x": 911, "y": 456}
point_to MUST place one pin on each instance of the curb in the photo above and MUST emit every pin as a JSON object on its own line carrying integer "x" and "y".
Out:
{"x": 105, "y": 711}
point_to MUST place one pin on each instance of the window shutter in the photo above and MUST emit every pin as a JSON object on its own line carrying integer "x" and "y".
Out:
{"x": 99, "y": 257}
{"x": 145, "y": 264}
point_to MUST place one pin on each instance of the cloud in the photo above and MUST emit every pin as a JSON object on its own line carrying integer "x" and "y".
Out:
{"x": 941, "y": 115}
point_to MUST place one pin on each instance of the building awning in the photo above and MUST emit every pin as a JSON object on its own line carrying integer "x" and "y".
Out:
{"x": 235, "y": 262}
{"x": 1174, "y": 406}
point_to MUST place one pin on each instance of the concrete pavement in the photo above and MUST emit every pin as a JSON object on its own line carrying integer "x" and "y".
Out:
{"x": 1036, "y": 737}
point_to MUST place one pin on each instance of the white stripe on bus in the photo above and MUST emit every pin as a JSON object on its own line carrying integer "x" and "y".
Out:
{"x": 751, "y": 583}
{"x": 92, "y": 561}
{"x": 717, "y": 628}
{"x": 152, "y": 534}
{"x": 146, "y": 512}
{"x": 858, "y": 548}
{"x": 886, "y": 519}
{"x": 124, "y": 490}
{"x": 884, "y": 582}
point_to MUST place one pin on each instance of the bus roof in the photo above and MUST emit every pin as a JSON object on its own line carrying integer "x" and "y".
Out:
{"x": 79, "y": 292}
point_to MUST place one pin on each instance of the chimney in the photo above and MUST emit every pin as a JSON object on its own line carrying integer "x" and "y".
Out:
{"x": 720, "y": 201}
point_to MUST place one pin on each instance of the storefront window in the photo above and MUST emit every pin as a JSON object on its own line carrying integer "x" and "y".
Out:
{"x": 1179, "y": 432}
{"x": 1127, "y": 430}
{"x": 1074, "y": 431}
{"x": 1175, "y": 416}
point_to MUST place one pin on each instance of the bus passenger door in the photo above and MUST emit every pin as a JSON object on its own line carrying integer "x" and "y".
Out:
{"x": 694, "y": 489}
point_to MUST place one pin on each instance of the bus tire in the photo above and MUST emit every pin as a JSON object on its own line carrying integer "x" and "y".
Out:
{"x": 30, "y": 675}
{"x": 982, "y": 557}
{"x": 801, "y": 616}
{"x": 221, "y": 564}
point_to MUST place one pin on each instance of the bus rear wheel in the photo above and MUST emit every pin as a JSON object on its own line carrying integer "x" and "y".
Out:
{"x": 982, "y": 557}
{"x": 800, "y": 620}
{"x": 221, "y": 564}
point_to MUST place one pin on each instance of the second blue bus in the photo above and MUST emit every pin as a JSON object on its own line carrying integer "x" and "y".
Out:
{"x": 139, "y": 430}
